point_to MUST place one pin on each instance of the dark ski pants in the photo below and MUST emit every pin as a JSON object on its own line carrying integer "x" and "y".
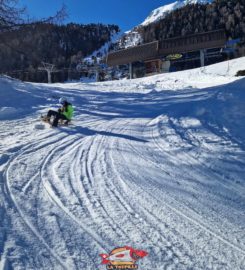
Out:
{"x": 57, "y": 116}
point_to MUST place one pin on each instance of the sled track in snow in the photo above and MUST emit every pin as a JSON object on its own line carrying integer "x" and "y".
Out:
{"x": 194, "y": 221}
{"x": 108, "y": 185}
{"x": 52, "y": 194}
{"x": 25, "y": 150}
{"x": 57, "y": 145}
{"x": 156, "y": 231}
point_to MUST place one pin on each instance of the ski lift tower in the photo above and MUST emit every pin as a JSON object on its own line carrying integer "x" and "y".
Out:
{"x": 49, "y": 68}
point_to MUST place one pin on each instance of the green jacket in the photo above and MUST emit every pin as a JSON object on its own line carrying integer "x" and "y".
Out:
{"x": 67, "y": 111}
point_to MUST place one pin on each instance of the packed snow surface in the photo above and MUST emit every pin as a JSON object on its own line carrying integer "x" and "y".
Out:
{"x": 157, "y": 164}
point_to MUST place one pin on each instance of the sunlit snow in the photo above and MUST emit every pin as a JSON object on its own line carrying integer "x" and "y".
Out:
{"x": 156, "y": 163}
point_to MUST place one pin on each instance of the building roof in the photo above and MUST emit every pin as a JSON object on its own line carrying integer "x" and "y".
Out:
{"x": 205, "y": 40}
{"x": 133, "y": 54}
{"x": 159, "y": 49}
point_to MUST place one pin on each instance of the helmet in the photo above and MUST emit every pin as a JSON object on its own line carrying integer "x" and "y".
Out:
{"x": 62, "y": 100}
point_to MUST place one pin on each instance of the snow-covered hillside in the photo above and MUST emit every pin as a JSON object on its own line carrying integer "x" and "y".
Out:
{"x": 133, "y": 37}
{"x": 142, "y": 165}
{"x": 161, "y": 12}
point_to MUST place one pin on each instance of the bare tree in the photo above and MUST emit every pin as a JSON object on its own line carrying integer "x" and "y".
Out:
{"x": 12, "y": 16}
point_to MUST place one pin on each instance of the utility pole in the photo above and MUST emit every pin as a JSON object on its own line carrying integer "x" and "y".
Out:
{"x": 202, "y": 57}
{"x": 130, "y": 71}
{"x": 97, "y": 74}
{"x": 49, "y": 68}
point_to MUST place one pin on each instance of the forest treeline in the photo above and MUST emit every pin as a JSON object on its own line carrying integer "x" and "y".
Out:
{"x": 24, "y": 48}
{"x": 27, "y": 46}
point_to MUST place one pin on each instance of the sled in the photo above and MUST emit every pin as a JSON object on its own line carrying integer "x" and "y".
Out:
{"x": 61, "y": 123}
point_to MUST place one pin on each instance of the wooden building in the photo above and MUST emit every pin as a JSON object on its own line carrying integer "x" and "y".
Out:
{"x": 152, "y": 56}
{"x": 190, "y": 43}
{"x": 139, "y": 53}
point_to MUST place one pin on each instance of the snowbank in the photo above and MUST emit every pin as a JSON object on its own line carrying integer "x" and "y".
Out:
{"x": 199, "y": 78}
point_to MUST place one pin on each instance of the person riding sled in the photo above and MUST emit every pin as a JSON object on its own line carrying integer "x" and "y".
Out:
{"x": 64, "y": 113}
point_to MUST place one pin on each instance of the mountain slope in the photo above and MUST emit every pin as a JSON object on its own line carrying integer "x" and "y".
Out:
{"x": 135, "y": 37}
{"x": 161, "y": 12}
{"x": 23, "y": 50}
{"x": 179, "y": 19}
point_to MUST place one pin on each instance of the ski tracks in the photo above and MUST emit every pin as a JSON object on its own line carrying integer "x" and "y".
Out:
{"x": 42, "y": 210}
{"x": 146, "y": 187}
{"x": 84, "y": 194}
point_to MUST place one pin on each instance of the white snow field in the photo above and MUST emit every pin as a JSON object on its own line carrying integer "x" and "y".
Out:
{"x": 142, "y": 165}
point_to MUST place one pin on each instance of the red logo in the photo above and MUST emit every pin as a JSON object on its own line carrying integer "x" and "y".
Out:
{"x": 123, "y": 258}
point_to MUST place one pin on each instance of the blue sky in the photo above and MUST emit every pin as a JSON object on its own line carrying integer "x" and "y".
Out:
{"x": 125, "y": 13}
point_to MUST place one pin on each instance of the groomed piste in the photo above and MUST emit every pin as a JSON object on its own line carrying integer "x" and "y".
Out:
{"x": 157, "y": 164}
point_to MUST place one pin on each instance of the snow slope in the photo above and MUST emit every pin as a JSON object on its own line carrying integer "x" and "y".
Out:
{"x": 143, "y": 166}
{"x": 133, "y": 37}
{"x": 162, "y": 12}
